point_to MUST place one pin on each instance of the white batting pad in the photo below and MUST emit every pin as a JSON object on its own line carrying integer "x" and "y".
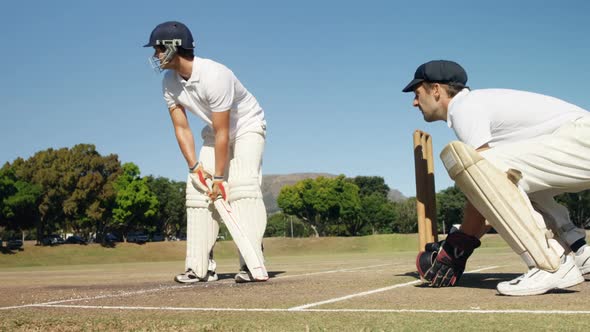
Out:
{"x": 503, "y": 204}
{"x": 245, "y": 198}
{"x": 201, "y": 232}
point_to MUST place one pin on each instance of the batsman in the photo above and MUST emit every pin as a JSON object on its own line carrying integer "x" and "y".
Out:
{"x": 223, "y": 183}
{"x": 517, "y": 150}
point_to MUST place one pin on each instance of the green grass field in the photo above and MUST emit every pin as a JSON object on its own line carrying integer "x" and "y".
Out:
{"x": 326, "y": 284}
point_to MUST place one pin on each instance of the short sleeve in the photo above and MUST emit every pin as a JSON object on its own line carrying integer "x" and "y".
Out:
{"x": 221, "y": 90}
{"x": 168, "y": 96}
{"x": 472, "y": 126}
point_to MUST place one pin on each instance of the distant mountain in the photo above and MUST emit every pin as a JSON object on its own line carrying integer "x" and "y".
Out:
{"x": 396, "y": 195}
{"x": 272, "y": 184}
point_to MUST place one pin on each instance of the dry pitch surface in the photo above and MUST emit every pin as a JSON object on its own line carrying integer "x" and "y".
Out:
{"x": 365, "y": 291}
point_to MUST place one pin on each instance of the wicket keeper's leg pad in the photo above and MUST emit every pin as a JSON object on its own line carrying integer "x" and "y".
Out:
{"x": 426, "y": 258}
{"x": 505, "y": 205}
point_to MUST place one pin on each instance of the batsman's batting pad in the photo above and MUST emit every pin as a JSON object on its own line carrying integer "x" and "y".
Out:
{"x": 245, "y": 198}
{"x": 503, "y": 204}
{"x": 201, "y": 232}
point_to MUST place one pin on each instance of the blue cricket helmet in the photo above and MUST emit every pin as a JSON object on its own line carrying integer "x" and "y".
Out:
{"x": 171, "y": 33}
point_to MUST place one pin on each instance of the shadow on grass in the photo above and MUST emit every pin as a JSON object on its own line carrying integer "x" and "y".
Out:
{"x": 108, "y": 244}
{"x": 271, "y": 274}
{"x": 471, "y": 280}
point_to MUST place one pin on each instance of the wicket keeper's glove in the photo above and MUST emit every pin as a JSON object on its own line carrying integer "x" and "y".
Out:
{"x": 451, "y": 258}
{"x": 426, "y": 258}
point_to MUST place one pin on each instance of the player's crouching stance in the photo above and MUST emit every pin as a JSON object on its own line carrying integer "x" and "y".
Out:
{"x": 530, "y": 148}
{"x": 224, "y": 182}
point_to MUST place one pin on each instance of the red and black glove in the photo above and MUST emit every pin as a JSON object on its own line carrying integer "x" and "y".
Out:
{"x": 449, "y": 264}
{"x": 426, "y": 258}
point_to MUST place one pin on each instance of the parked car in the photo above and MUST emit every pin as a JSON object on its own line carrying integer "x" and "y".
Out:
{"x": 14, "y": 244}
{"x": 75, "y": 239}
{"x": 158, "y": 237}
{"x": 52, "y": 240}
{"x": 111, "y": 238}
{"x": 137, "y": 237}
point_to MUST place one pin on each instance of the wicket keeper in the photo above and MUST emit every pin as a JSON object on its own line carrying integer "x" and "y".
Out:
{"x": 542, "y": 142}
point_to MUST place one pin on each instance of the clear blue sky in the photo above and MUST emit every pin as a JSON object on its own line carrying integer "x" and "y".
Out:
{"x": 329, "y": 74}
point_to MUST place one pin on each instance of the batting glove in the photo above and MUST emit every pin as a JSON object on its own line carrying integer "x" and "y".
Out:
{"x": 218, "y": 190}
{"x": 199, "y": 178}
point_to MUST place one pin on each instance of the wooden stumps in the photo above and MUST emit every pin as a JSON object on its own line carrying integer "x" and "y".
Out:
{"x": 425, "y": 193}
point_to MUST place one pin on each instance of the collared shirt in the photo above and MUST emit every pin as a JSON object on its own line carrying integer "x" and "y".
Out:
{"x": 211, "y": 88}
{"x": 499, "y": 116}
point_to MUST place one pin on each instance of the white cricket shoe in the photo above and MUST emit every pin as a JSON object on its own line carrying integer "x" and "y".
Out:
{"x": 582, "y": 259}
{"x": 245, "y": 276}
{"x": 190, "y": 277}
{"x": 536, "y": 281}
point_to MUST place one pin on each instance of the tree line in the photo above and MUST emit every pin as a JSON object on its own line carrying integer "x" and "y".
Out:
{"x": 77, "y": 190}
{"x": 359, "y": 206}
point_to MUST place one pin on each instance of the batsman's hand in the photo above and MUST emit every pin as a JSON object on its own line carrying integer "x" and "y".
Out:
{"x": 218, "y": 190}
{"x": 199, "y": 178}
{"x": 449, "y": 265}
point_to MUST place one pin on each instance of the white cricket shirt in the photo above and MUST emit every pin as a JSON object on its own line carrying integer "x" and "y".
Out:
{"x": 499, "y": 116}
{"x": 212, "y": 87}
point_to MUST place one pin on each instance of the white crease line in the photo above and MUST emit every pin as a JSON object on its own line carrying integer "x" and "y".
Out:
{"x": 143, "y": 291}
{"x": 331, "y": 271}
{"x": 305, "y": 306}
{"x": 429, "y": 311}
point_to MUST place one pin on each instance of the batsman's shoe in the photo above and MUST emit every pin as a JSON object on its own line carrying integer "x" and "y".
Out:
{"x": 582, "y": 259}
{"x": 536, "y": 281}
{"x": 190, "y": 277}
{"x": 245, "y": 276}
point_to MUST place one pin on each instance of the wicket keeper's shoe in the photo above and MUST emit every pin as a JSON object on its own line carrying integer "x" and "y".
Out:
{"x": 582, "y": 258}
{"x": 245, "y": 276}
{"x": 190, "y": 276}
{"x": 536, "y": 281}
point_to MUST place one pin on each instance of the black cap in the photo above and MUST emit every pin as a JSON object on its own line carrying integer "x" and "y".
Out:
{"x": 438, "y": 71}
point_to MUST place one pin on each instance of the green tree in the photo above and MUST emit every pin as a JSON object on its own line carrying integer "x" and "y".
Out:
{"x": 91, "y": 193}
{"x": 18, "y": 202}
{"x": 377, "y": 214}
{"x": 407, "y": 221}
{"x": 76, "y": 187}
{"x": 135, "y": 203}
{"x": 171, "y": 214}
{"x": 327, "y": 205}
{"x": 370, "y": 185}
{"x": 450, "y": 204}
{"x": 578, "y": 205}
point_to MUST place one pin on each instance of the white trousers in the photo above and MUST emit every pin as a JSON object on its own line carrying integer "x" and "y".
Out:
{"x": 551, "y": 165}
